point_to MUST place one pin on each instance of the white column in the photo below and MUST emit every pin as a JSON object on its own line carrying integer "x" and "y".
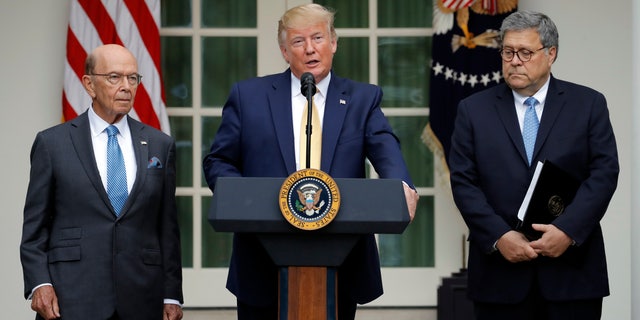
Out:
{"x": 635, "y": 162}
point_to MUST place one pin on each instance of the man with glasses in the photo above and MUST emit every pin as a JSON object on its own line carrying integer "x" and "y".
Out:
{"x": 500, "y": 134}
{"x": 100, "y": 238}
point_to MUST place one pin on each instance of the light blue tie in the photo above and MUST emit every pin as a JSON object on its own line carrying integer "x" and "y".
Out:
{"x": 116, "y": 172}
{"x": 530, "y": 127}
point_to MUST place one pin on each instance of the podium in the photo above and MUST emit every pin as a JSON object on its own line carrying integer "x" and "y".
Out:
{"x": 308, "y": 259}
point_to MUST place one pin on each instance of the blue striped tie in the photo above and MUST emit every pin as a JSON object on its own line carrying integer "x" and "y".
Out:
{"x": 116, "y": 172}
{"x": 530, "y": 127}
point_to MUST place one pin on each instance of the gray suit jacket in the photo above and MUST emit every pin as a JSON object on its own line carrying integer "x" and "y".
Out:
{"x": 99, "y": 263}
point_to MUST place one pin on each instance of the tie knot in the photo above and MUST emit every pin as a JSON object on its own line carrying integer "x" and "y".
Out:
{"x": 530, "y": 102}
{"x": 112, "y": 130}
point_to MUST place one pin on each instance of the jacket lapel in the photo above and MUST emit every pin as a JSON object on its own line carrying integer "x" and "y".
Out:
{"x": 140, "y": 147}
{"x": 80, "y": 133}
{"x": 553, "y": 104}
{"x": 280, "y": 110}
{"x": 335, "y": 111}
{"x": 505, "y": 107}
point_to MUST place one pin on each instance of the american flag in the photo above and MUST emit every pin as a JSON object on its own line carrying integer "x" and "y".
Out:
{"x": 465, "y": 59}
{"x": 133, "y": 24}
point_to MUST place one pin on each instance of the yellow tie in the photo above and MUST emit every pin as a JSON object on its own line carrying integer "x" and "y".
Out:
{"x": 316, "y": 138}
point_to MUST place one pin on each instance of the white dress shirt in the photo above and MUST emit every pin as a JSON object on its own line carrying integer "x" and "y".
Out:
{"x": 519, "y": 99}
{"x": 99, "y": 138}
{"x": 299, "y": 102}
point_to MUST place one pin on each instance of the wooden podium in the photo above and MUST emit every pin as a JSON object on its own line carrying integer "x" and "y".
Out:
{"x": 308, "y": 260}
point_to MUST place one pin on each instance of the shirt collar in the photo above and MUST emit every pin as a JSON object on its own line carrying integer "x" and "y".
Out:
{"x": 98, "y": 125}
{"x": 540, "y": 95}
{"x": 321, "y": 86}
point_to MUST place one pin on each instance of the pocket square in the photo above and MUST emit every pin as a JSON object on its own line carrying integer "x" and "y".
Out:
{"x": 154, "y": 163}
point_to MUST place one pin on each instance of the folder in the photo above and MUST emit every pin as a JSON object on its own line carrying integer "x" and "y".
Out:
{"x": 551, "y": 190}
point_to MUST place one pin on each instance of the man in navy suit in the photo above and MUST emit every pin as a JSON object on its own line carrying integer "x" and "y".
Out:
{"x": 82, "y": 256}
{"x": 563, "y": 274}
{"x": 259, "y": 137}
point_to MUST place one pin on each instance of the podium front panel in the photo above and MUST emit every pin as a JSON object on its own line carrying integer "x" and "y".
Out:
{"x": 251, "y": 205}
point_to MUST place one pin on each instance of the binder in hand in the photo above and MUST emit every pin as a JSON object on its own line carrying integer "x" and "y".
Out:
{"x": 550, "y": 191}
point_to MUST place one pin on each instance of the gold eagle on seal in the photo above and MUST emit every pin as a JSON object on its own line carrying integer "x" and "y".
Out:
{"x": 309, "y": 199}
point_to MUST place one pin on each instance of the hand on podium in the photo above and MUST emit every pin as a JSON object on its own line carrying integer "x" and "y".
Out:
{"x": 412, "y": 200}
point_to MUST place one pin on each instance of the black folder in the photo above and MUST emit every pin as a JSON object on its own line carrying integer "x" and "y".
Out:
{"x": 550, "y": 191}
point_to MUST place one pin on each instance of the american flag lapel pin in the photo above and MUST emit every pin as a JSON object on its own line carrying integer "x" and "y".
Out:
{"x": 342, "y": 101}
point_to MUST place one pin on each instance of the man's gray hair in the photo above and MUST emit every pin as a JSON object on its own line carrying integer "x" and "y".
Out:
{"x": 522, "y": 20}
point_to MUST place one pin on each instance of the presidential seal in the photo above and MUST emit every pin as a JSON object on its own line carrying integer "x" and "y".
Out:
{"x": 309, "y": 199}
{"x": 555, "y": 205}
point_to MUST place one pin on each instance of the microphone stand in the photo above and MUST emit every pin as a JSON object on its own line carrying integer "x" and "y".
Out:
{"x": 308, "y": 89}
{"x": 309, "y": 128}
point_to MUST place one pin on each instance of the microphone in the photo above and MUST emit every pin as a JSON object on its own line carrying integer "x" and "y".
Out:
{"x": 307, "y": 84}
{"x": 308, "y": 89}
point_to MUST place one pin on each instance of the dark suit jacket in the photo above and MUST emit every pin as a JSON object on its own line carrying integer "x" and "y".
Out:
{"x": 71, "y": 237}
{"x": 255, "y": 139}
{"x": 490, "y": 176}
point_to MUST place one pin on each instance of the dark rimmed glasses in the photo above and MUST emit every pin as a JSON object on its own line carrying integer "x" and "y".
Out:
{"x": 524, "y": 55}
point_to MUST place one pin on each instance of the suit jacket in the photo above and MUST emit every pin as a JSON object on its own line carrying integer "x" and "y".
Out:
{"x": 255, "y": 139}
{"x": 97, "y": 262}
{"x": 490, "y": 176}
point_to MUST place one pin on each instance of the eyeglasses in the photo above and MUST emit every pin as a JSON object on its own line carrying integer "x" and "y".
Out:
{"x": 523, "y": 54}
{"x": 115, "y": 78}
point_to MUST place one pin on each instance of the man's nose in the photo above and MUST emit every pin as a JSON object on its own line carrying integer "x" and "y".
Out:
{"x": 308, "y": 46}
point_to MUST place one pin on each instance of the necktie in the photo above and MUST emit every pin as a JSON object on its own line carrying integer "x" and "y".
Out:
{"x": 116, "y": 172}
{"x": 316, "y": 138}
{"x": 530, "y": 127}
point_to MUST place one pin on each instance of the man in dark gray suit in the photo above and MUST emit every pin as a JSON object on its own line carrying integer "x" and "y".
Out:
{"x": 85, "y": 254}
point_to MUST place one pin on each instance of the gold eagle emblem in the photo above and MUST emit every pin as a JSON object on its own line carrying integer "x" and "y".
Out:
{"x": 443, "y": 17}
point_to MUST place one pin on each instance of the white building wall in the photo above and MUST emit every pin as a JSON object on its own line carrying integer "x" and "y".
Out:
{"x": 32, "y": 49}
{"x": 597, "y": 46}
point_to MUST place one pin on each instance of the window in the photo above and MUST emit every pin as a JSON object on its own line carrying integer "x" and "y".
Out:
{"x": 207, "y": 45}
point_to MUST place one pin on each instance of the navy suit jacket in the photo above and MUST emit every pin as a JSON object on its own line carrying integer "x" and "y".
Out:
{"x": 99, "y": 263}
{"x": 255, "y": 139}
{"x": 490, "y": 176}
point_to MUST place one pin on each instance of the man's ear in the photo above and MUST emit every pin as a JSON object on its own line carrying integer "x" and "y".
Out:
{"x": 553, "y": 54}
{"x": 88, "y": 84}
{"x": 285, "y": 55}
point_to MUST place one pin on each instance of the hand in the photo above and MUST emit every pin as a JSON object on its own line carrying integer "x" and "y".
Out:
{"x": 172, "y": 312}
{"x": 514, "y": 247}
{"x": 412, "y": 200}
{"x": 45, "y": 302}
{"x": 553, "y": 243}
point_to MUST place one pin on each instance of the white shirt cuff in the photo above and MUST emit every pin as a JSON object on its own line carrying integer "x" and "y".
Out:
{"x": 38, "y": 286}
{"x": 172, "y": 301}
